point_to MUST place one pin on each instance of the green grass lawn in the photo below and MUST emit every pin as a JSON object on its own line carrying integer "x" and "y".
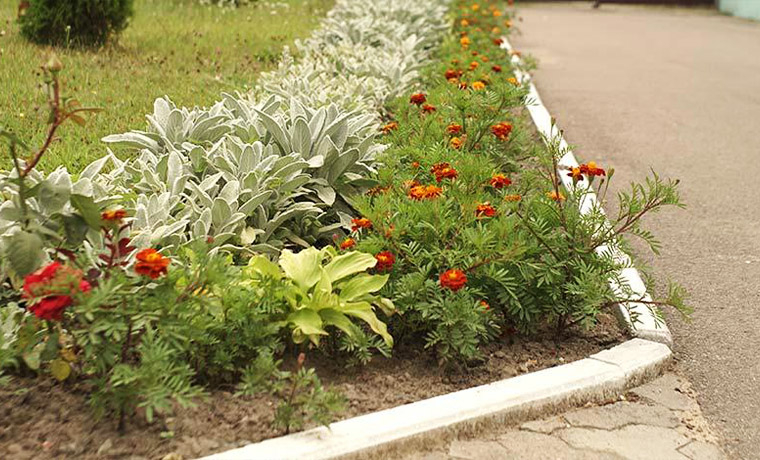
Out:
{"x": 191, "y": 53}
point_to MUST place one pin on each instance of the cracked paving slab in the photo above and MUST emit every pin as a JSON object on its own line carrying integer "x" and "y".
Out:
{"x": 658, "y": 420}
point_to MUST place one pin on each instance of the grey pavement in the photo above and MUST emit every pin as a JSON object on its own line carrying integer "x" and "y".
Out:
{"x": 676, "y": 90}
{"x": 659, "y": 420}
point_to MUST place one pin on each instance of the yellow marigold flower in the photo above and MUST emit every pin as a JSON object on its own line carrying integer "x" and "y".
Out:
{"x": 508, "y": 23}
{"x": 475, "y": 7}
{"x": 514, "y": 197}
{"x": 478, "y": 85}
{"x": 465, "y": 23}
{"x": 495, "y": 30}
{"x": 496, "y": 13}
{"x": 465, "y": 41}
{"x": 514, "y": 81}
{"x": 454, "y": 81}
{"x": 456, "y": 143}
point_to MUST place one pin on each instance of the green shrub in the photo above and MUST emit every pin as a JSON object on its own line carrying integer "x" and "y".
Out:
{"x": 75, "y": 22}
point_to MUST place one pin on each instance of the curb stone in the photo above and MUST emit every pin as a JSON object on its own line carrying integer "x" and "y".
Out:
{"x": 598, "y": 378}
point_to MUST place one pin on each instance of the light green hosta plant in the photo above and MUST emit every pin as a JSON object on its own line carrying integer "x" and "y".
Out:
{"x": 327, "y": 289}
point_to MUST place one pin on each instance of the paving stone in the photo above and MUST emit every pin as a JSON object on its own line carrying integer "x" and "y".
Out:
{"x": 698, "y": 450}
{"x": 477, "y": 450}
{"x": 526, "y": 445}
{"x": 544, "y": 426}
{"x": 633, "y": 442}
{"x": 613, "y": 416}
{"x": 437, "y": 455}
{"x": 664, "y": 390}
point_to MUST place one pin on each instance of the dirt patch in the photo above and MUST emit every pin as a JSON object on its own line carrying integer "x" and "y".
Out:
{"x": 40, "y": 419}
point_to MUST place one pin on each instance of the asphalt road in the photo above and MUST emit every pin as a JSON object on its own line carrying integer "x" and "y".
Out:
{"x": 676, "y": 90}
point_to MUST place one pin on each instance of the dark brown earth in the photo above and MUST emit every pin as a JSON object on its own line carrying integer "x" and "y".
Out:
{"x": 41, "y": 419}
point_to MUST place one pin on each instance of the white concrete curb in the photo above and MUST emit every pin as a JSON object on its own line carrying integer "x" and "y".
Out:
{"x": 643, "y": 321}
{"x": 597, "y": 378}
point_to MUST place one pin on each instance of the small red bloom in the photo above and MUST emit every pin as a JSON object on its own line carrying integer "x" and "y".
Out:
{"x": 453, "y": 279}
{"x": 451, "y": 73}
{"x": 485, "y": 305}
{"x": 501, "y": 130}
{"x": 454, "y": 128}
{"x": 151, "y": 263}
{"x": 427, "y": 108}
{"x": 591, "y": 169}
{"x": 113, "y": 215}
{"x": 500, "y": 181}
{"x": 53, "y": 287}
{"x": 363, "y": 222}
{"x": 496, "y": 68}
{"x": 485, "y": 210}
{"x": 415, "y": 164}
{"x": 417, "y": 99}
{"x": 446, "y": 173}
{"x": 474, "y": 65}
{"x": 348, "y": 243}
{"x": 385, "y": 261}
{"x": 498, "y": 41}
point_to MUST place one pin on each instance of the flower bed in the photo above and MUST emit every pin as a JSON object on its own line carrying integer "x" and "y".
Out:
{"x": 262, "y": 236}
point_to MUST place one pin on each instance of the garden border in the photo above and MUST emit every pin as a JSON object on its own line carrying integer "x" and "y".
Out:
{"x": 598, "y": 378}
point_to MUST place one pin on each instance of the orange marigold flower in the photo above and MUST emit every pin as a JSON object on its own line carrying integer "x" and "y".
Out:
{"x": 151, "y": 263}
{"x": 555, "y": 196}
{"x": 392, "y": 126}
{"x": 465, "y": 41}
{"x": 496, "y": 68}
{"x": 478, "y": 85}
{"x": 348, "y": 243}
{"x": 417, "y": 98}
{"x": 591, "y": 169}
{"x": 464, "y": 23}
{"x": 485, "y": 210}
{"x": 514, "y": 81}
{"x": 475, "y": 53}
{"x": 427, "y": 108}
{"x": 500, "y": 181}
{"x": 498, "y": 41}
{"x": 454, "y": 81}
{"x": 385, "y": 261}
{"x": 576, "y": 174}
{"x": 462, "y": 85}
{"x": 474, "y": 65}
{"x": 453, "y": 279}
{"x": 501, "y": 130}
{"x": 484, "y": 58}
{"x": 495, "y": 30}
{"x": 508, "y": 23}
{"x": 113, "y": 215}
{"x": 514, "y": 197}
{"x": 485, "y": 305}
{"x": 456, "y": 143}
{"x": 475, "y": 7}
{"x": 363, "y": 222}
{"x": 454, "y": 128}
{"x": 439, "y": 166}
{"x": 496, "y": 13}
{"x": 422, "y": 192}
{"x": 415, "y": 164}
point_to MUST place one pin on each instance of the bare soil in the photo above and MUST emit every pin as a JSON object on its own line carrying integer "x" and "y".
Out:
{"x": 40, "y": 419}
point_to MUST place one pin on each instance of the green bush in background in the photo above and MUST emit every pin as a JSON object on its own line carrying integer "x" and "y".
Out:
{"x": 75, "y": 22}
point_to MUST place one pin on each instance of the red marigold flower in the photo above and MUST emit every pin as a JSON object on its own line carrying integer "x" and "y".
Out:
{"x": 500, "y": 181}
{"x": 53, "y": 286}
{"x": 417, "y": 98}
{"x": 576, "y": 174}
{"x": 485, "y": 305}
{"x": 453, "y": 279}
{"x": 151, "y": 263}
{"x": 113, "y": 215}
{"x": 456, "y": 143}
{"x": 454, "y": 128}
{"x": 591, "y": 169}
{"x": 427, "y": 108}
{"x": 363, "y": 222}
{"x": 422, "y": 192}
{"x": 385, "y": 261}
{"x": 496, "y": 68}
{"x": 514, "y": 197}
{"x": 438, "y": 166}
{"x": 485, "y": 210}
{"x": 451, "y": 73}
{"x": 445, "y": 173}
{"x": 348, "y": 243}
{"x": 474, "y": 65}
{"x": 392, "y": 126}
{"x": 501, "y": 130}
{"x": 498, "y": 41}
